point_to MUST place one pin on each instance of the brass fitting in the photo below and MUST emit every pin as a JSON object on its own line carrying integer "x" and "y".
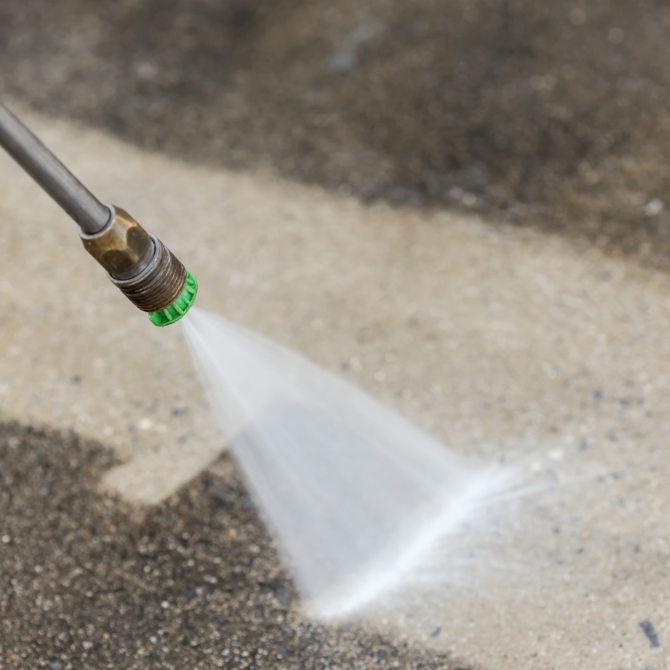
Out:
{"x": 136, "y": 261}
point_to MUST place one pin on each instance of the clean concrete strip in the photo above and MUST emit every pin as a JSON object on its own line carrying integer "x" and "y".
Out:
{"x": 497, "y": 341}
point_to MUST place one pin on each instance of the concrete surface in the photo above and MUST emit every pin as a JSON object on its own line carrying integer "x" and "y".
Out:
{"x": 502, "y": 342}
{"x": 551, "y": 113}
{"x": 89, "y": 582}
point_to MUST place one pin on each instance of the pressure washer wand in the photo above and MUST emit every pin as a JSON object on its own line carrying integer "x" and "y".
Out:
{"x": 137, "y": 262}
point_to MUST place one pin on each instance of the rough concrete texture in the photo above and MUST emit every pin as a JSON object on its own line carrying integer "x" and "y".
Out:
{"x": 89, "y": 582}
{"x": 501, "y": 342}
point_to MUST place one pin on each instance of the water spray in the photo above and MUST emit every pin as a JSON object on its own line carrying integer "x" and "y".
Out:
{"x": 355, "y": 495}
{"x": 136, "y": 261}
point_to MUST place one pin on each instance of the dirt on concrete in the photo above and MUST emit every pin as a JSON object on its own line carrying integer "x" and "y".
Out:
{"x": 548, "y": 112}
{"x": 89, "y": 582}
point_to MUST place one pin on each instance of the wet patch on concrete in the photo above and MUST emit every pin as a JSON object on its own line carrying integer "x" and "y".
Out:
{"x": 87, "y": 581}
{"x": 549, "y": 113}
{"x": 649, "y": 630}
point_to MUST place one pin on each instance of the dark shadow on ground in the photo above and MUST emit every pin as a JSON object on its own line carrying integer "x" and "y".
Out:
{"x": 88, "y": 582}
{"x": 551, "y": 112}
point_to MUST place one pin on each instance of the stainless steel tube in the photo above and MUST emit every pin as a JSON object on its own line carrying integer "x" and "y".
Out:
{"x": 91, "y": 215}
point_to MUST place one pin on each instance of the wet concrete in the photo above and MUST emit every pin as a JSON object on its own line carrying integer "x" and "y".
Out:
{"x": 87, "y": 581}
{"x": 547, "y": 113}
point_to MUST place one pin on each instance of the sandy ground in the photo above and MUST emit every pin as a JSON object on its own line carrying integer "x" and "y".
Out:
{"x": 502, "y": 342}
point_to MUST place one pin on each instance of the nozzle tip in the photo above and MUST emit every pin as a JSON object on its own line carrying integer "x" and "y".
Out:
{"x": 177, "y": 310}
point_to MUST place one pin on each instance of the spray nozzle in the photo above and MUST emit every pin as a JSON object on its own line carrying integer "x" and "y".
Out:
{"x": 142, "y": 267}
{"x": 145, "y": 270}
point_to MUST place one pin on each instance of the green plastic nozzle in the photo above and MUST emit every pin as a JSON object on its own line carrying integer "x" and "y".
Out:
{"x": 177, "y": 310}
